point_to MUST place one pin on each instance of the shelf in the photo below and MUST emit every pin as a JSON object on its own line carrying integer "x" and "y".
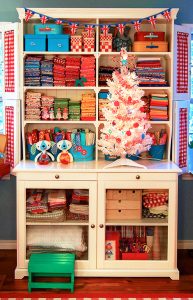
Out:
{"x": 63, "y": 122}
{"x": 59, "y": 88}
{"x": 57, "y": 53}
{"x": 142, "y": 222}
{"x": 141, "y": 87}
{"x": 137, "y": 53}
{"x": 65, "y": 223}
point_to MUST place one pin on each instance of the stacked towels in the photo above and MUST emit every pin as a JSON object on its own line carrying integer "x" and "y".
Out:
{"x": 33, "y": 104}
{"x": 72, "y": 72}
{"x": 88, "y": 70}
{"x": 32, "y": 70}
{"x": 47, "y": 72}
{"x": 59, "y": 71}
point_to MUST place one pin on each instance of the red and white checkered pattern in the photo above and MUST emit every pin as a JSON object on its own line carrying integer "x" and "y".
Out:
{"x": 182, "y": 62}
{"x": 85, "y": 34}
{"x": 76, "y": 43}
{"x": 89, "y": 44}
{"x": 183, "y": 137}
{"x": 9, "y": 130}
{"x": 106, "y": 43}
{"x": 9, "y": 61}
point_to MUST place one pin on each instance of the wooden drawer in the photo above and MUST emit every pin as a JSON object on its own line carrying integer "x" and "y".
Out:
{"x": 123, "y": 194}
{"x": 56, "y": 176}
{"x": 123, "y": 214}
{"x": 150, "y": 46}
{"x": 123, "y": 204}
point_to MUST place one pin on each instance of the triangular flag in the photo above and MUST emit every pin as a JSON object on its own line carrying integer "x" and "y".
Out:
{"x": 152, "y": 20}
{"x": 89, "y": 29}
{"x": 137, "y": 25}
{"x": 121, "y": 28}
{"x": 58, "y": 21}
{"x": 167, "y": 14}
{"x": 105, "y": 29}
{"x": 43, "y": 19}
{"x": 28, "y": 14}
{"x": 73, "y": 27}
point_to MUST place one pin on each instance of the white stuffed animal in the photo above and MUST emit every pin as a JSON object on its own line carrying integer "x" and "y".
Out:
{"x": 44, "y": 157}
{"x": 64, "y": 157}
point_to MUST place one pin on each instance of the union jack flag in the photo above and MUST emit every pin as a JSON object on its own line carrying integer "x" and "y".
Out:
{"x": 121, "y": 28}
{"x": 137, "y": 25}
{"x": 105, "y": 29}
{"x": 28, "y": 14}
{"x": 43, "y": 19}
{"x": 167, "y": 14}
{"x": 152, "y": 20}
{"x": 89, "y": 29}
{"x": 73, "y": 27}
{"x": 58, "y": 21}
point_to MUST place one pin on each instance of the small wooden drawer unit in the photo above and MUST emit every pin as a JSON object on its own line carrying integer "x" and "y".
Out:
{"x": 123, "y": 204}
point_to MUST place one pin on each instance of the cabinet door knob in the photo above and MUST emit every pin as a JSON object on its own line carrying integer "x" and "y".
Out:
{"x": 101, "y": 225}
{"x": 57, "y": 176}
{"x": 92, "y": 226}
{"x": 137, "y": 176}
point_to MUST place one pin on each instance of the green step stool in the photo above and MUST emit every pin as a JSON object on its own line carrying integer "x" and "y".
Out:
{"x": 51, "y": 265}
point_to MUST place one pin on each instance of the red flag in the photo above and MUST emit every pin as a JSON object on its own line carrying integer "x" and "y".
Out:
{"x": 121, "y": 28}
{"x": 137, "y": 25}
{"x": 89, "y": 29}
{"x": 73, "y": 27}
{"x": 167, "y": 15}
{"x": 28, "y": 14}
{"x": 58, "y": 21}
{"x": 152, "y": 20}
{"x": 43, "y": 19}
{"x": 105, "y": 29}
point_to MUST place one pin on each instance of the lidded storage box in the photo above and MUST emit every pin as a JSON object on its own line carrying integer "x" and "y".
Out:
{"x": 150, "y": 46}
{"x": 142, "y": 36}
{"x": 48, "y": 29}
{"x": 106, "y": 42}
{"x": 35, "y": 42}
{"x": 58, "y": 42}
{"x": 76, "y": 43}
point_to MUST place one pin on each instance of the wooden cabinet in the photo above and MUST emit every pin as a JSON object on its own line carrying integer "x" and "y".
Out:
{"x": 102, "y": 184}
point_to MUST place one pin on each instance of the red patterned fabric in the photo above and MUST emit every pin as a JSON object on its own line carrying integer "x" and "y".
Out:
{"x": 183, "y": 137}
{"x": 9, "y": 61}
{"x": 182, "y": 62}
{"x": 9, "y": 130}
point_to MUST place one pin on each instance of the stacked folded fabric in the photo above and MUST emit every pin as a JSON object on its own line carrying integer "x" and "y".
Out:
{"x": 74, "y": 110}
{"x": 103, "y": 102}
{"x": 47, "y": 107}
{"x": 33, "y": 104}
{"x": 150, "y": 72}
{"x": 88, "y": 107}
{"x": 32, "y": 70}
{"x": 88, "y": 70}
{"x": 155, "y": 204}
{"x": 159, "y": 107}
{"x": 56, "y": 199}
{"x": 79, "y": 208}
{"x": 72, "y": 71}
{"x": 59, "y": 71}
{"x": 47, "y": 72}
{"x": 104, "y": 74}
{"x": 36, "y": 202}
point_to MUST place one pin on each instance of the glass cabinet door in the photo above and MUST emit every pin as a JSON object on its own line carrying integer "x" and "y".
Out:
{"x": 136, "y": 224}
{"x": 58, "y": 217}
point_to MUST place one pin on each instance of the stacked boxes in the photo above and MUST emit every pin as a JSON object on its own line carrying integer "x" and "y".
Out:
{"x": 106, "y": 42}
{"x": 76, "y": 43}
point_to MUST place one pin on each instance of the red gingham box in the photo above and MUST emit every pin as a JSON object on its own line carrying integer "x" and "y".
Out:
{"x": 106, "y": 43}
{"x": 76, "y": 43}
{"x": 89, "y": 44}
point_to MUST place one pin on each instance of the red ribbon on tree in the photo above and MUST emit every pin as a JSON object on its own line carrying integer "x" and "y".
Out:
{"x": 167, "y": 15}
{"x": 152, "y": 20}
{"x": 137, "y": 25}
{"x": 89, "y": 29}
{"x": 43, "y": 19}
{"x": 121, "y": 28}
{"x": 105, "y": 30}
{"x": 28, "y": 14}
{"x": 73, "y": 27}
{"x": 58, "y": 21}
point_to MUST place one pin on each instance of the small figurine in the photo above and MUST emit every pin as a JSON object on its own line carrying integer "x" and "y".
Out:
{"x": 44, "y": 157}
{"x": 122, "y": 41}
{"x": 64, "y": 157}
{"x": 45, "y": 113}
{"x": 65, "y": 113}
{"x": 58, "y": 114}
{"x": 51, "y": 112}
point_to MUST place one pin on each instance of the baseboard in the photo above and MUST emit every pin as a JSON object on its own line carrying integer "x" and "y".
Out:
{"x": 8, "y": 244}
{"x": 11, "y": 244}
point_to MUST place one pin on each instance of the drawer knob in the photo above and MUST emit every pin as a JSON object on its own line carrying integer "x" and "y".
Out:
{"x": 92, "y": 226}
{"x": 137, "y": 176}
{"x": 57, "y": 176}
{"x": 101, "y": 225}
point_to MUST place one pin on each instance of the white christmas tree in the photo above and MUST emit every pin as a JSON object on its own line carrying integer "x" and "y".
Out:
{"x": 125, "y": 131}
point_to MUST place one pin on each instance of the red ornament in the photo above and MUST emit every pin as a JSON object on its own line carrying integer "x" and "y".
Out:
{"x": 128, "y": 132}
{"x": 118, "y": 140}
{"x": 113, "y": 123}
{"x": 135, "y": 125}
{"x": 116, "y": 103}
{"x": 129, "y": 99}
{"x": 142, "y": 109}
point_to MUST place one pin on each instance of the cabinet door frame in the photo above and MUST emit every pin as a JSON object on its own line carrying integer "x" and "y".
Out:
{"x": 22, "y": 262}
{"x": 171, "y": 262}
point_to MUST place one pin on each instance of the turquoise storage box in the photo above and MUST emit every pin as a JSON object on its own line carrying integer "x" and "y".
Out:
{"x": 83, "y": 153}
{"x": 103, "y": 95}
{"x": 48, "y": 29}
{"x": 34, "y": 42}
{"x": 58, "y": 42}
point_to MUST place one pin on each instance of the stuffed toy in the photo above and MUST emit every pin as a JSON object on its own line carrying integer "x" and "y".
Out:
{"x": 64, "y": 157}
{"x": 44, "y": 157}
{"x": 122, "y": 41}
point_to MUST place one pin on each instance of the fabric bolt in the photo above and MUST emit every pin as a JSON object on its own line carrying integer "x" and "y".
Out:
{"x": 182, "y": 62}
{"x": 9, "y": 64}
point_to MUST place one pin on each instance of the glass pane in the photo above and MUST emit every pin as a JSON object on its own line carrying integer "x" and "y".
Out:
{"x": 136, "y": 243}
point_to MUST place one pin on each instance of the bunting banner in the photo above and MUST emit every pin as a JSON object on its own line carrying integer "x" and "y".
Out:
{"x": 104, "y": 27}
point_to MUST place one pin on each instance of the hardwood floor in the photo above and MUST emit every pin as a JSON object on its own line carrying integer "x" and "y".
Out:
{"x": 110, "y": 286}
